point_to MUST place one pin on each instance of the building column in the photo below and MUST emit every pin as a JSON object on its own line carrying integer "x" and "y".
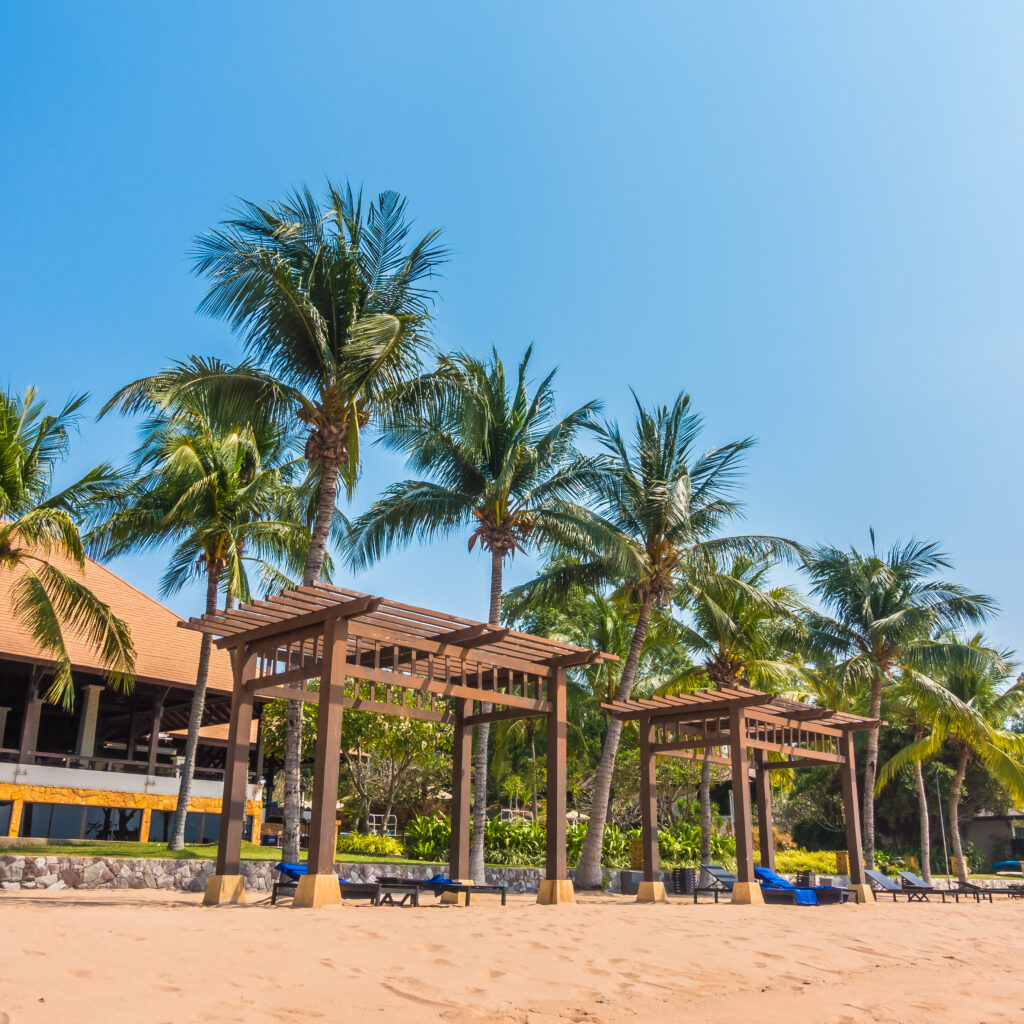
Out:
{"x": 227, "y": 886}
{"x": 851, "y": 814}
{"x": 30, "y": 727}
{"x": 3, "y": 723}
{"x": 765, "y": 823}
{"x": 651, "y": 889}
{"x": 461, "y": 808}
{"x": 154, "y": 737}
{"x": 746, "y": 889}
{"x": 86, "y": 743}
{"x": 147, "y": 820}
{"x": 16, "y": 810}
{"x": 556, "y": 886}
{"x": 320, "y": 887}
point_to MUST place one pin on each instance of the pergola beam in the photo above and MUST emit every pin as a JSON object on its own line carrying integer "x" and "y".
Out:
{"x": 501, "y": 716}
{"x": 471, "y": 636}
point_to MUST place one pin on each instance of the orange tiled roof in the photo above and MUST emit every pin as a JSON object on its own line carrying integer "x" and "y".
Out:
{"x": 164, "y": 654}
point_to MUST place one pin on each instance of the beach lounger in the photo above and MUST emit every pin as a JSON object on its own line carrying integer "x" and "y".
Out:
{"x": 980, "y": 892}
{"x": 723, "y": 881}
{"x": 439, "y": 885}
{"x": 918, "y": 889}
{"x": 288, "y": 881}
{"x": 804, "y": 895}
{"x": 883, "y": 885}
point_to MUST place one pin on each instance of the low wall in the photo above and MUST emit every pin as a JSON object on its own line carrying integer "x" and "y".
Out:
{"x": 49, "y": 872}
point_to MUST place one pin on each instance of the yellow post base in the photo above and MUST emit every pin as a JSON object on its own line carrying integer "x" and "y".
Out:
{"x": 451, "y": 899}
{"x": 317, "y": 891}
{"x": 224, "y": 889}
{"x": 748, "y": 893}
{"x": 556, "y": 890}
{"x": 862, "y": 893}
{"x": 651, "y": 892}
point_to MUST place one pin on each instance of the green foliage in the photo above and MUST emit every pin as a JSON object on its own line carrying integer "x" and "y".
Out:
{"x": 382, "y": 846}
{"x": 822, "y": 862}
{"x": 679, "y": 846}
{"x": 428, "y": 837}
{"x": 515, "y": 842}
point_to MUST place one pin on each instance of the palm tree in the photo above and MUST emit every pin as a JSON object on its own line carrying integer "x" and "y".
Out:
{"x": 499, "y": 462}
{"x": 880, "y": 614}
{"x": 659, "y": 504}
{"x": 741, "y": 629}
{"x": 332, "y": 302}
{"x": 217, "y": 486}
{"x": 974, "y": 724}
{"x": 37, "y": 524}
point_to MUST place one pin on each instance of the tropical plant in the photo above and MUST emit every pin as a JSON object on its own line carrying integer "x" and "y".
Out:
{"x": 879, "y": 616}
{"x": 41, "y": 547}
{"x": 499, "y": 462}
{"x": 219, "y": 484}
{"x": 333, "y": 303}
{"x": 372, "y": 846}
{"x": 974, "y": 726}
{"x": 659, "y": 504}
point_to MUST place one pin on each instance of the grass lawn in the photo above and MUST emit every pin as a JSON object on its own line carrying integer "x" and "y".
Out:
{"x": 207, "y": 851}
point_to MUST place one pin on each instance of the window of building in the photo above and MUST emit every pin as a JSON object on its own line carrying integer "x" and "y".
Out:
{"x": 6, "y": 809}
{"x": 73, "y": 821}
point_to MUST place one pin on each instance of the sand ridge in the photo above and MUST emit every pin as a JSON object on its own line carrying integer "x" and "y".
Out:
{"x": 129, "y": 956}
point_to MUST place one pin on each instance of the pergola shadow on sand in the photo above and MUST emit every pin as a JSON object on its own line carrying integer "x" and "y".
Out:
{"x": 378, "y": 655}
{"x": 724, "y": 725}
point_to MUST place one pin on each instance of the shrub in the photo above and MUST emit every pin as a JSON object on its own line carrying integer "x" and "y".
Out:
{"x": 821, "y": 862}
{"x": 373, "y": 846}
{"x": 428, "y": 837}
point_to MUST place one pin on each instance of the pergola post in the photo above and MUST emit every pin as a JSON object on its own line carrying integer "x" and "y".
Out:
{"x": 462, "y": 764}
{"x": 746, "y": 889}
{"x": 765, "y": 824}
{"x": 320, "y": 887}
{"x": 651, "y": 889}
{"x": 556, "y": 886}
{"x": 848, "y": 775}
{"x": 227, "y": 885}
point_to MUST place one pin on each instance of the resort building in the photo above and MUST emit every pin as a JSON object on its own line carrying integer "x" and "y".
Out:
{"x": 109, "y": 768}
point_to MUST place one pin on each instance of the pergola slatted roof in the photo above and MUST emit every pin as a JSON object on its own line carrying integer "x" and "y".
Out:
{"x": 406, "y": 624}
{"x": 699, "y": 703}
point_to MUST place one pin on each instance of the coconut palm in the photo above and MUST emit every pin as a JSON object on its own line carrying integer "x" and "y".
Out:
{"x": 974, "y": 725}
{"x": 659, "y": 504}
{"x": 880, "y": 614}
{"x": 499, "y": 463}
{"x": 38, "y": 527}
{"x": 743, "y": 631}
{"x": 219, "y": 487}
{"x": 333, "y": 302}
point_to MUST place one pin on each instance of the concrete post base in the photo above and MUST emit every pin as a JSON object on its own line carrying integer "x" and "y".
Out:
{"x": 451, "y": 899}
{"x": 317, "y": 891}
{"x": 556, "y": 890}
{"x": 747, "y": 892}
{"x": 224, "y": 889}
{"x": 862, "y": 893}
{"x": 651, "y": 892}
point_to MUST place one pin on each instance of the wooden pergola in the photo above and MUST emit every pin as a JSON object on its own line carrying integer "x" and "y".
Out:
{"x": 724, "y": 725}
{"x": 373, "y": 654}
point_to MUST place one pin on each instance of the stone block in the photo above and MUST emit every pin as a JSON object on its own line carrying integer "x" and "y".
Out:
{"x": 317, "y": 891}
{"x": 222, "y": 890}
{"x": 651, "y": 892}
{"x": 748, "y": 893}
{"x": 556, "y": 890}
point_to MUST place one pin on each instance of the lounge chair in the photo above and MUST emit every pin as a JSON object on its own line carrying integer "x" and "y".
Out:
{"x": 918, "y": 889}
{"x": 439, "y": 884}
{"x": 288, "y": 881}
{"x": 723, "y": 881}
{"x": 883, "y": 885}
{"x": 805, "y": 895}
{"x": 980, "y": 892}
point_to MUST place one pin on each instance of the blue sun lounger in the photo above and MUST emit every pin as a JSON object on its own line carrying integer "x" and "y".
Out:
{"x": 288, "y": 881}
{"x": 802, "y": 895}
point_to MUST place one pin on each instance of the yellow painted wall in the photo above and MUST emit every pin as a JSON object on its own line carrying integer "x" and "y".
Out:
{"x": 146, "y": 802}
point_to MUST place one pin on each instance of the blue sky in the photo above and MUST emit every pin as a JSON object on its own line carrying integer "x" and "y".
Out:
{"x": 807, "y": 215}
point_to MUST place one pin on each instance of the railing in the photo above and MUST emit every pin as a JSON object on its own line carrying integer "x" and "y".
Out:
{"x": 108, "y": 764}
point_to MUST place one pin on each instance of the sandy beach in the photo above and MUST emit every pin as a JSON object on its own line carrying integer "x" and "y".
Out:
{"x": 160, "y": 957}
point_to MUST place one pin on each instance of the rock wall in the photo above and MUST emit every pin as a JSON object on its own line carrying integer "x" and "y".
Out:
{"x": 48, "y": 872}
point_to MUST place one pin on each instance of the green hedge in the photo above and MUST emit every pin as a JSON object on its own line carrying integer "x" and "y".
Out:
{"x": 789, "y": 862}
{"x": 377, "y": 846}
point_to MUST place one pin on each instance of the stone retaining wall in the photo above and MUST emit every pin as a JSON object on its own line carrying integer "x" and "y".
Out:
{"x": 48, "y": 872}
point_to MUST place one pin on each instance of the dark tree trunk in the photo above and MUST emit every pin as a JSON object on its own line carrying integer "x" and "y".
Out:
{"x": 588, "y": 874}
{"x": 705, "y": 810}
{"x": 195, "y": 718}
{"x": 870, "y": 772}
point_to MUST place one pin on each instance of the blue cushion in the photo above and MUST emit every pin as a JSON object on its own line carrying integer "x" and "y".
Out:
{"x": 440, "y": 880}
{"x": 769, "y": 879}
{"x": 293, "y": 871}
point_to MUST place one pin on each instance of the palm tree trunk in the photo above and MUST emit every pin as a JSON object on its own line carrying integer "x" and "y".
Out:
{"x": 533, "y": 773}
{"x": 705, "y": 810}
{"x": 483, "y": 735}
{"x": 870, "y": 771}
{"x": 320, "y": 535}
{"x": 588, "y": 874}
{"x": 195, "y": 718}
{"x": 922, "y": 813}
{"x": 954, "y": 816}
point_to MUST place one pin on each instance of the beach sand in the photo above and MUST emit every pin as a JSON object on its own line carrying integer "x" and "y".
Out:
{"x": 130, "y": 956}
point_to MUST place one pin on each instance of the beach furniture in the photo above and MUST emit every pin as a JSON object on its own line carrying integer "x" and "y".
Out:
{"x": 377, "y": 893}
{"x": 980, "y": 892}
{"x": 918, "y": 889}
{"x": 809, "y": 895}
{"x": 723, "y": 882}
{"x": 439, "y": 885}
{"x": 883, "y": 885}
